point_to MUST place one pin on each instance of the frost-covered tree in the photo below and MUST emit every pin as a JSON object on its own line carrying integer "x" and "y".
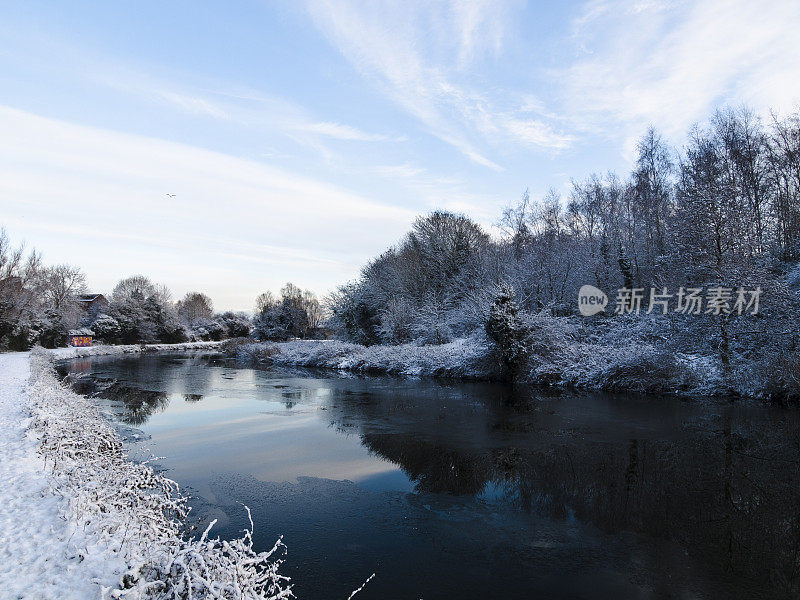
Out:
{"x": 63, "y": 284}
{"x": 144, "y": 312}
{"x": 354, "y": 314}
{"x": 195, "y": 306}
{"x": 106, "y": 328}
{"x": 294, "y": 315}
{"x": 505, "y": 328}
{"x": 235, "y": 324}
{"x": 21, "y": 286}
{"x": 136, "y": 286}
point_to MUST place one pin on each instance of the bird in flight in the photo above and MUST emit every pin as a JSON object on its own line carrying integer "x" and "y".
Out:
{"x": 171, "y": 195}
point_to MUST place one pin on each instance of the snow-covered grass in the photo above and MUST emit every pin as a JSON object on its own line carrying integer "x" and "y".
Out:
{"x": 634, "y": 355}
{"x": 80, "y": 520}
{"x": 467, "y": 358}
{"x": 103, "y": 350}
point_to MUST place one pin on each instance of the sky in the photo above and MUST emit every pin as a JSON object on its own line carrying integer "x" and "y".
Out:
{"x": 230, "y": 147}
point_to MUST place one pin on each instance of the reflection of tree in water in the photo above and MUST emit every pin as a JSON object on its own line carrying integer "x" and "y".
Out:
{"x": 432, "y": 467}
{"x": 293, "y": 396}
{"x": 138, "y": 405}
{"x": 188, "y": 376}
{"x": 724, "y": 485}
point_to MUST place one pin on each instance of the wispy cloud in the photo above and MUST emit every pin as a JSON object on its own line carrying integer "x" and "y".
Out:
{"x": 415, "y": 52}
{"x": 243, "y": 107}
{"x": 194, "y": 105}
{"x": 340, "y": 131}
{"x": 84, "y": 184}
{"x": 670, "y": 63}
{"x": 405, "y": 170}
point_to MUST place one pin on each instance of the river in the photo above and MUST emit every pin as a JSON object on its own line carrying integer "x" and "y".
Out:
{"x": 470, "y": 490}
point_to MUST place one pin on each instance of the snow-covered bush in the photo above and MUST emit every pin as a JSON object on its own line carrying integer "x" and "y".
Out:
{"x": 793, "y": 278}
{"x": 208, "y": 330}
{"x": 397, "y": 321}
{"x": 235, "y": 324}
{"x": 649, "y": 371}
{"x": 431, "y": 324}
{"x": 106, "y": 328}
{"x": 773, "y": 376}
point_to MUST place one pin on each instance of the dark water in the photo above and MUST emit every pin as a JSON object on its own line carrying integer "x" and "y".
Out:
{"x": 458, "y": 490}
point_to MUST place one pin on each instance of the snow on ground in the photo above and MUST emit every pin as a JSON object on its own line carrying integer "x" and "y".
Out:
{"x": 103, "y": 350}
{"x": 41, "y": 554}
{"x": 466, "y": 358}
{"x": 557, "y": 358}
{"x": 78, "y": 520}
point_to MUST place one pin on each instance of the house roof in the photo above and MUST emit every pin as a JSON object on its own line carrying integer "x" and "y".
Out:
{"x": 89, "y": 297}
{"x": 81, "y": 331}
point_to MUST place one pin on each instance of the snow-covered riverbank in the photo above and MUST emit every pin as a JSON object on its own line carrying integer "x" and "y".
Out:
{"x": 42, "y": 555}
{"x": 461, "y": 359}
{"x": 104, "y": 350}
{"x": 79, "y": 520}
{"x": 634, "y": 364}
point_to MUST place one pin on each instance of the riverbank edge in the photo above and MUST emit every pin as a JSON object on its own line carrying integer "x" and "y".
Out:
{"x": 463, "y": 359}
{"x": 108, "y": 350}
{"x": 122, "y": 515}
{"x": 644, "y": 369}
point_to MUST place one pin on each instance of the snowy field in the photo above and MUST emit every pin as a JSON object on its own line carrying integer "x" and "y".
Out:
{"x": 43, "y": 555}
{"x": 79, "y": 520}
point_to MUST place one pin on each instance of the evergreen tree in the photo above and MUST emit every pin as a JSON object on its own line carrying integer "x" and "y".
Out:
{"x": 507, "y": 331}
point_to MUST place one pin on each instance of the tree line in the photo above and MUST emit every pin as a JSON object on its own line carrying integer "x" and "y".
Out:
{"x": 724, "y": 210}
{"x": 40, "y": 304}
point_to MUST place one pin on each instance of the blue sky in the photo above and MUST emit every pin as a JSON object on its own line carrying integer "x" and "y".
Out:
{"x": 301, "y": 138}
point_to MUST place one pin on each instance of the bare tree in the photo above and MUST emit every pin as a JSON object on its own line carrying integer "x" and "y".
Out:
{"x": 63, "y": 284}
{"x": 194, "y": 307}
{"x": 137, "y": 286}
{"x": 264, "y": 301}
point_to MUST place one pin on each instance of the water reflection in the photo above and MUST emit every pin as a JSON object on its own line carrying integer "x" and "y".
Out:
{"x": 722, "y": 481}
{"x": 719, "y": 482}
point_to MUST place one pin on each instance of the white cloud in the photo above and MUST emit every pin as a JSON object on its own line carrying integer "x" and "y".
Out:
{"x": 235, "y": 226}
{"x": 404, "y": 171}
{"x": 241, "y": 106}
{"x": 671, "y": 63}
{"x": 193, "y": 104}
{"x": 537, "y": 133}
